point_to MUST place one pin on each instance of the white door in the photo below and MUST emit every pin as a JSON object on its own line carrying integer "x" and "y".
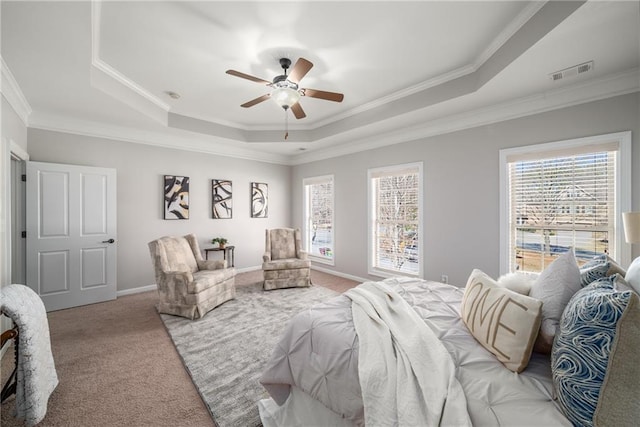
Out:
{"x": 71, "y": 232}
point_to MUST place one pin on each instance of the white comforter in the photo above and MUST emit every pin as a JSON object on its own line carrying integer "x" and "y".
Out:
{"x": 313, "y": 376}
{"x": 406, "y": 374}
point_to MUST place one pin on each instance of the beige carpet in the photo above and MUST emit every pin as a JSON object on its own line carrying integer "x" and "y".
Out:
{"x": 118, "y": 367}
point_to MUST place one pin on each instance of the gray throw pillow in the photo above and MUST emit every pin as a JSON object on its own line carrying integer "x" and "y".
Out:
{"x": 554, "y": 287}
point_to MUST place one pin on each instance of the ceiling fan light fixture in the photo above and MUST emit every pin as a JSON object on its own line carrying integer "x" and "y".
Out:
{"x": 286, "y": 91}
{"x": 285, "y": 96}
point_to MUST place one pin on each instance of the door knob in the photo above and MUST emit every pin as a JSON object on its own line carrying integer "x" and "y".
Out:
{"x": 108, "y": 241}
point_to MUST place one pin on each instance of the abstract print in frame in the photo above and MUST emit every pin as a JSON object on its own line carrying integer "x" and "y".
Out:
{"x": 221, "y": 191}
{"x": 176, "y": 197}
{"x": 259, "y": 200}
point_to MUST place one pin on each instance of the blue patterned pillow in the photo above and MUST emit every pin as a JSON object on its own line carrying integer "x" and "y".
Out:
{"x": 583, "y": 346}
{"x": 594, "y": 269}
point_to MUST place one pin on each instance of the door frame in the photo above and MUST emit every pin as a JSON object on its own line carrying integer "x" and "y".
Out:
{"x": 18, "y": 222}
{"x": 10, "y": 151}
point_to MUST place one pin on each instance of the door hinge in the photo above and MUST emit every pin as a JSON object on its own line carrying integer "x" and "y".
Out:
{"x": 24, "y": 234}
{"x": 24, "y": 177}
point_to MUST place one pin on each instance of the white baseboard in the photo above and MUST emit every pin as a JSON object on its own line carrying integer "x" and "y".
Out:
{"x": 153, "y": 287}
{"x": 136, "y": 290}
{"x": 248, "y": 269}
{"x": 339, "y": 274}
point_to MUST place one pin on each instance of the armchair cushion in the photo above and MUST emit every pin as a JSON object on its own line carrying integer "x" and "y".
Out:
{"x": 208, "y": 279}
{"x": 212, "y": 264}
{"x": 285, "y": 264}
{"x": 283, "y": 243}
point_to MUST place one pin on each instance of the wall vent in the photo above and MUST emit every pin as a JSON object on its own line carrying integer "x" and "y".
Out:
{"x": 572, "y": 71}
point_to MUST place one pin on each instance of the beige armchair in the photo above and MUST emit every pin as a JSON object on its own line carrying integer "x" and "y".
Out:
{"x": 189, "y": 286}
{"x": 285, "y": 264}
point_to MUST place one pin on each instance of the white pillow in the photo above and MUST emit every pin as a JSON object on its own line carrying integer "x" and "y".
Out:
{"x": 504, "y": 322}
{"x": 633, "y": 275}
{"x": 554, "y": 287}
{"x": 518, "y": 282}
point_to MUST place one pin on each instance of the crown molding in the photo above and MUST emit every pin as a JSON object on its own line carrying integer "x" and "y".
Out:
{"x": 186, "y": 142}
{"x": 13, "y": 94}
{"x": 113, "y": 82}
{"x": 576, "y": 94}
{"x": 130, "y": 84}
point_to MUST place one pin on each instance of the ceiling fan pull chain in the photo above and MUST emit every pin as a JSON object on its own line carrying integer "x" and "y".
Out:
{"x": 286, "y": 125}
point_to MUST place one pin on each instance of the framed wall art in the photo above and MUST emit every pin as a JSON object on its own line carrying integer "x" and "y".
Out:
{"x": 259, "y": 200}
{"x": 176, "y": 197}
{"x": 222, "y": 201}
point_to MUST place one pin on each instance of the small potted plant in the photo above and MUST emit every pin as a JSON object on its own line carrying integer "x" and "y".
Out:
{"x": 221, "y": 241}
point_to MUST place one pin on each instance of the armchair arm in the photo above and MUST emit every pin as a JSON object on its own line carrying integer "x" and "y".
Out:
{"x": 212, "y": 264}
{"x": 303, "y": 255}
{"x": 266, "y": 257}
{"x": 177, "y": 280}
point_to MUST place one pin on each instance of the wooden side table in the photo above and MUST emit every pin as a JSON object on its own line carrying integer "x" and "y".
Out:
{"x": 224, "y": 251}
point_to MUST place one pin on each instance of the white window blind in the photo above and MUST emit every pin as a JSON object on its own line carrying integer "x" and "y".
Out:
{"x": 319, "y": 217}
{"x": 561, "y": 200}
{"x": 395, "y": 219}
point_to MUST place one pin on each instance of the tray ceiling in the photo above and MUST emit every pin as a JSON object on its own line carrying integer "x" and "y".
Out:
{"x": 405, "y": 68}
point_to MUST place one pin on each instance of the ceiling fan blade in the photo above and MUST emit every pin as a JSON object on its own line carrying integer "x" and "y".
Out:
{"x": 298, "y": 111}
{"x": 321, "y": 94}
{"x": 299, "y": 70}
{"x": 247, "y": 76}
{"x": 258, "y": 100}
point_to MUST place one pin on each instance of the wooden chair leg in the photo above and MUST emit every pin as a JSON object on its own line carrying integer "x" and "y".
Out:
{"x": 11, "y": 384}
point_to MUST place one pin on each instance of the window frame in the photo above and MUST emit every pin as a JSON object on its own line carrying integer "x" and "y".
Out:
{"x": 371, "y": 218}
{"x": 306, "y": 182}
{"x": 622, "y": 185}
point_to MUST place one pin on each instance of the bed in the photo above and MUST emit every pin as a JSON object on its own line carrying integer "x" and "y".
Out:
{"x": 313, "y": 375}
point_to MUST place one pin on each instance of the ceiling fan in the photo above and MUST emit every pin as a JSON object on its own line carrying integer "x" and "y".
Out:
{"x": 286, "y": 91}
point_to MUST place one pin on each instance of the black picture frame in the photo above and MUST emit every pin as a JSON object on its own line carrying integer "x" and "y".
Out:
{"x": 176, "y": 197}
{"x": 259, "y": 200}
{"x": 221, "y": 199}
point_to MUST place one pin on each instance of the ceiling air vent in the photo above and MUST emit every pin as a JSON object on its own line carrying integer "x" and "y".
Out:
{"x": 572, "y": 71}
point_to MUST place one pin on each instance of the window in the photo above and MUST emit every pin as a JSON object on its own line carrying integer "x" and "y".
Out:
{"x": 561, "y": 195}
{"x": 395, "y": 209}
{"x": 318, "y": 213}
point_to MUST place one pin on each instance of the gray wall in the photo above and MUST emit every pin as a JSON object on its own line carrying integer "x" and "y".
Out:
{"x": 140, "y": 170}
{"x": 461, "y": 185}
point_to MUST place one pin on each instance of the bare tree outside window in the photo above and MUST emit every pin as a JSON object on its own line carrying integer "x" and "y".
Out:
{"x": 396, "y": 225}
{"x": 561, "y": 202}
{"x": 319, "y": 214}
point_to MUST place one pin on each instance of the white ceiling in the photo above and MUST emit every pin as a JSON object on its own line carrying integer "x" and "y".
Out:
{"x": 407, "y": 69}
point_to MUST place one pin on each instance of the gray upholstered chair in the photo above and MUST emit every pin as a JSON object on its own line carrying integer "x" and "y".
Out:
{"x": 285, "y": 264}
{"x": 189, "y": 286}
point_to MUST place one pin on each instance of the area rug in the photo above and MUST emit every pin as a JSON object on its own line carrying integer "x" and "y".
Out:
{"x": 226, "y": 351}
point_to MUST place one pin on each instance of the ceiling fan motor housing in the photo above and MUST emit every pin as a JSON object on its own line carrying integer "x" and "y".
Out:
{"x": 281, "y": 81}
{"x": 285, "y": 63}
